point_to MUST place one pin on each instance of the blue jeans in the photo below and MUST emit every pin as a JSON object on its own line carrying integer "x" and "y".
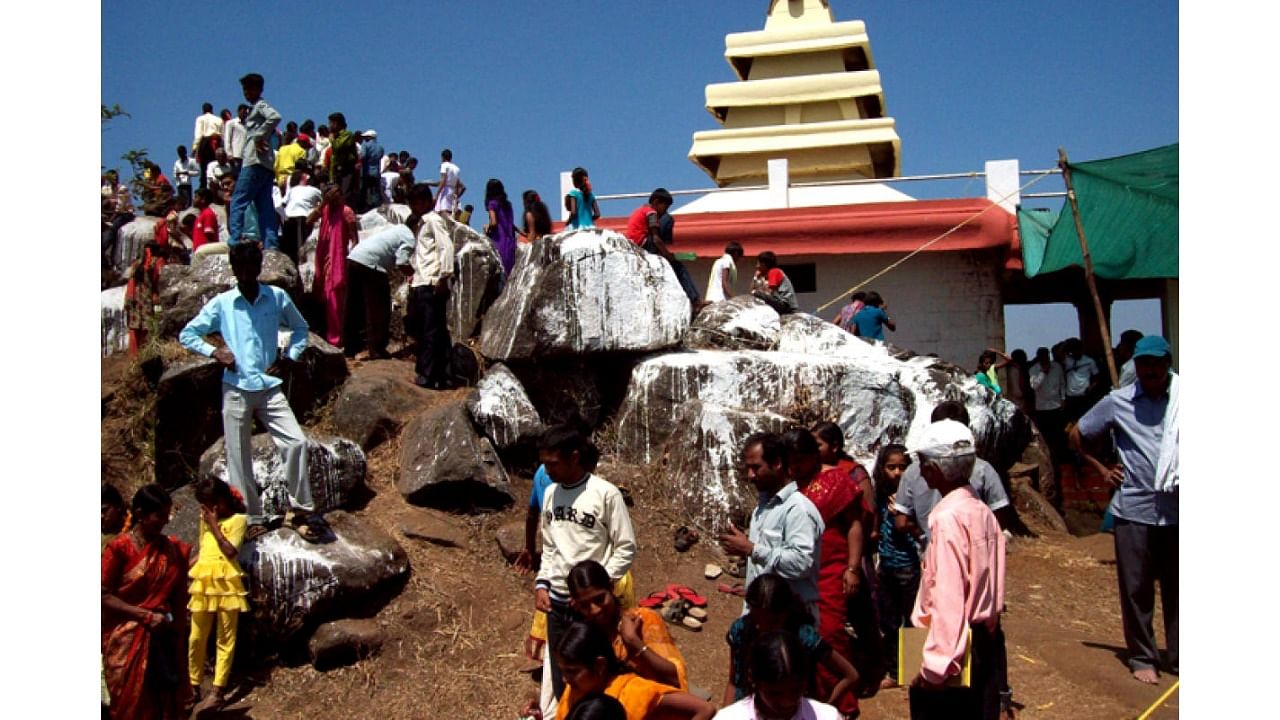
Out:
{"x": 253, "y": 186}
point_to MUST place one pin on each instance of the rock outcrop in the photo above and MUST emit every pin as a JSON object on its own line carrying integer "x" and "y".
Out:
{"x": 445, "y": 464}
{"x": 743, "y": 322}
{"x": 294, "y": 584}
{"x": 502, "y": 410}
{"x": 184, "y": 289}
{"x": 336, "y": 469}
{"x": 477, "y": 284}
{"x": 115, "y": 328}
{"x": 585, "y": 291}
{"x": 703, "y": 460}
{"x": 133, "y": 236}
{"x": 376, "y": 401}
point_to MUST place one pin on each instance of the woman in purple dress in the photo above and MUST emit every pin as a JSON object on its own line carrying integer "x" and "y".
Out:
{"x": 501, "y": 227}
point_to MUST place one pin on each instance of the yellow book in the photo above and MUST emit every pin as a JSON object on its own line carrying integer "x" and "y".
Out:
{"x": 911, "y": 657}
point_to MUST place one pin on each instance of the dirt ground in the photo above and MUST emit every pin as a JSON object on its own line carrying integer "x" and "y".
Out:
{"x": 456, "y": 630}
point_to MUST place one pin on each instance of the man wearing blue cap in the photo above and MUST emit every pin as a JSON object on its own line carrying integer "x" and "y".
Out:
{"x": 1143, "y": 419}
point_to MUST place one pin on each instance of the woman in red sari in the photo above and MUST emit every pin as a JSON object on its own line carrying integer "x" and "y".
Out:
{"x": 338, "y": 234}
{"x": 838, "y": 499}
{"x": 144, "y": 600}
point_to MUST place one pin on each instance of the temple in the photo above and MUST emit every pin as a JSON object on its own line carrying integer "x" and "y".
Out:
{"x": 804, "y": 138}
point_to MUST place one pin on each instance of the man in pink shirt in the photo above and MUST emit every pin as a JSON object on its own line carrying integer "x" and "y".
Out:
{"x": 961, "y": 587}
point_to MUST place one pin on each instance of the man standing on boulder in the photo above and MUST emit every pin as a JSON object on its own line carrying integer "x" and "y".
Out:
{"x": 253, "y": 185}
{"x": 783, "y": 536}
{"x": 426, "y": 318}
{"x": 249, "y": 317}
{"x": 203, "y": 144}
{"x": 1143, "y": 420}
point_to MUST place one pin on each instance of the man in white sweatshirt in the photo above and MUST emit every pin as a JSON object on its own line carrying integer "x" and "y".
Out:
{"x": 584, "y": 517}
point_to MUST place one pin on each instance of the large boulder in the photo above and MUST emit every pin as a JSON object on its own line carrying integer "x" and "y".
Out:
{"x": 477, "y": 283}
{"x": 744, "y": 322}
{"x": 585, "y": 291}
{"x": 376, "y": 401}
{"x": 184, "y": 289}
{"x": 115, "y": 328}
{"x": 868, "y": 401}
{"x": 502, "y": 410}
{"x": 703, "y": 461}
{"x": 336, "y": 470}
{"x": 564, "y": 391}
{"x": 133, "y": 236}
{"x": 294, "y": 584}
{"x": 188, "y": 414}
{"x": 445, "y": 464}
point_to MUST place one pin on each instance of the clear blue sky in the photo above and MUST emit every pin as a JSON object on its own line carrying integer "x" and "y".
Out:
{"x": 521, "y": 91}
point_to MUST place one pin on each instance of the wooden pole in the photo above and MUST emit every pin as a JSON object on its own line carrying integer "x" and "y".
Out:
{"x": 1088, "y": 267}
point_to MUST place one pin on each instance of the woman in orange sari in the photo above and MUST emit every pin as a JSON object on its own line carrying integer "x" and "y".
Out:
{"x": 338, "y": 234}
{"x": 589, "y": 666}
{"x": 838, "y": 500}
{"x": 144, "y": 599}
{"x": 639, "y": 635}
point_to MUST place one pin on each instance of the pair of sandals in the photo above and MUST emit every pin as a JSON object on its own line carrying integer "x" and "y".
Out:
{"x": 684, "y": 614}
{"x": 309, "y": 526}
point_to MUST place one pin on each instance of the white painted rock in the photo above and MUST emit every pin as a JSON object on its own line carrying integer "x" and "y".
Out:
{"x": 744, "y": 322}
{"x": 293, "y": 583}
{"x": 586, "y": 291}
{"x": 704, "y": 460}
{"x": 501, "y": 408}
{"x": 133, "y": 236}
{"x": 477, "y": 280}
{"x": 115, "y": 328}
{"x": 866, "y": 400}
{"x": 336, "y": 469}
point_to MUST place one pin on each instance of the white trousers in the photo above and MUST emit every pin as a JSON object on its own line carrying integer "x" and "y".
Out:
{"x": 239, "y": 408}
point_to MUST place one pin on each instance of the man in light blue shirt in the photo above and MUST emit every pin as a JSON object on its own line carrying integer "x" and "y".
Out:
{"x": 1141, "y": 418}
{"x": 783, "y": 537}
{"x": 368, "y": 323}
{"x": 249, "y": 317}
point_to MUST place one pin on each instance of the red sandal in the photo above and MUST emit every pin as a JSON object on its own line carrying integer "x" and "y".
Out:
{"x": 655, "y": 599}
{"x": 685, "y": 592}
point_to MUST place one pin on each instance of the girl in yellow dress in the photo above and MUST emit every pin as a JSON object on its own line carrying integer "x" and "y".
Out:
{"x": 217, "y": 586}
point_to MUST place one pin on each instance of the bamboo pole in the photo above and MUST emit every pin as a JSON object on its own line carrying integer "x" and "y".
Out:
{"x": 1088, "y": 268}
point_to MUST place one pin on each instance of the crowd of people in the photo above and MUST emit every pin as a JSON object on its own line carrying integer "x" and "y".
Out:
{"x": 837, "y": 559}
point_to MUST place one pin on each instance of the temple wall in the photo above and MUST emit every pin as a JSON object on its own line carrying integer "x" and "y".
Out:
{"x": 944, "y": 303}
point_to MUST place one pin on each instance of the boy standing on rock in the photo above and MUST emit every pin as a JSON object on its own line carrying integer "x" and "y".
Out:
{"x": 426, "y": 320}
{"x": 256, "y": 178}
{"x": 249, "y": 317}
{"x": 584, "y": 517}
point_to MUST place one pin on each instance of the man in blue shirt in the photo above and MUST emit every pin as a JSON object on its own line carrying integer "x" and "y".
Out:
{"x": 1142, "y": 419}
{"x": 785, "y": 529}
{"x": 249, "y": 317}
{"x": 257, "y": 174}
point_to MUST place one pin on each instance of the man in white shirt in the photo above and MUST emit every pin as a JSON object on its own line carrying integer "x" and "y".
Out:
{"x": 425, "y": 320}
{"x": 233, "y": 136}
{"x": 220, "y": 166}
{"x": 184, "y": 168}
{"x": 1048, "y": 383}
{"x": 208, "y": 127}
{"x": 724, "y": 274}
{"x": 1083, "y": 379}
{"x": 450, "y": 183}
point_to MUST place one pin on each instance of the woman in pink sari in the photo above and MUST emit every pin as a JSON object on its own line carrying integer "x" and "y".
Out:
{"x": 337, "y": 236}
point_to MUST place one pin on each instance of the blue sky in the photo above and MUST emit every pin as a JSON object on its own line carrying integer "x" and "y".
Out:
{"x": 521, "y": 91}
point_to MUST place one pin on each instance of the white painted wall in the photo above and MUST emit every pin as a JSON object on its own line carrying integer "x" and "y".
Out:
{"x": 946, "y": 303}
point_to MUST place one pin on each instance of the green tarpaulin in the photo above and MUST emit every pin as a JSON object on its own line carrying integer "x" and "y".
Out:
{"x": 1129, "y": 208}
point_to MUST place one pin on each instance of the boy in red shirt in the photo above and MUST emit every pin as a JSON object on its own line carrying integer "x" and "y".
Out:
{"x": 206, "y": 230}
{"x": 650, "y": 227}
{"x": 772, "y": 285}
